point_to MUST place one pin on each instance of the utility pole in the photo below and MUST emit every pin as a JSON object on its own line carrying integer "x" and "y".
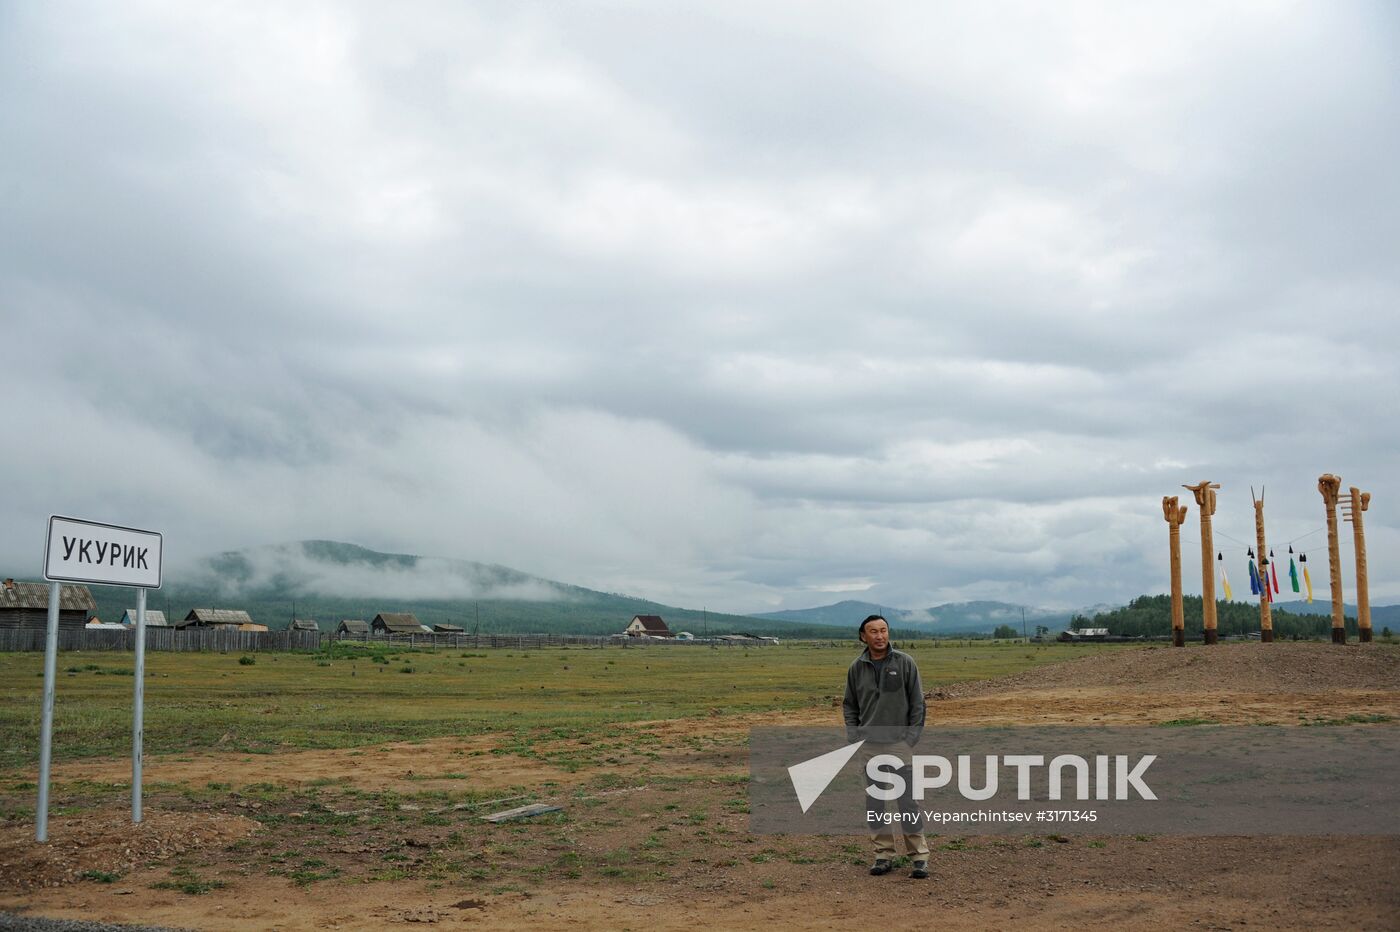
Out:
{"x": 1266, "y": 616}
{"x": 1330, "y": 486}
{"x": 1351, "y": 511}
{"x": 1175, "y": 514}
{"x": 1205, "y": 499}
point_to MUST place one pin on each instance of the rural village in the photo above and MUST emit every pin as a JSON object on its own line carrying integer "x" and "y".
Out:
{"x": 643, "y": 467}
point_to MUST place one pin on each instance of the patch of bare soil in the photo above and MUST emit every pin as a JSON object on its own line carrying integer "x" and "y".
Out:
{"x": 1284, "y": 683}
{"x": 1110, "y": 706}
{"x": 408, "y": 766}
{"x": 978, "y": 883}
{"x": 102, "y": 844}
{"x": 1283, "y": 666}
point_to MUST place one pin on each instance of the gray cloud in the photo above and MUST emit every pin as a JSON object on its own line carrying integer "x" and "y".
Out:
{"x": 719, "y": 306}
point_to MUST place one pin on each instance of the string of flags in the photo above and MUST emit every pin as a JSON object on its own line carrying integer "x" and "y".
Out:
{"x": 1263, "y": 577}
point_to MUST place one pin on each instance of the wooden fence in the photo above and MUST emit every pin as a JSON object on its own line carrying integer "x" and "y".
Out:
{"x": 526, "y": 641}
{"x": 218, "y": 639}
{"x": 454, "y": 641}
{"x": 175, "y": 639}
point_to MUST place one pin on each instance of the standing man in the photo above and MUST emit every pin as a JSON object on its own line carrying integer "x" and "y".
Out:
{"x": 884, "y": 706}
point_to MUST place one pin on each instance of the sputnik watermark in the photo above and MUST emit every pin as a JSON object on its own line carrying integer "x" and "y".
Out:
{"x": 940, "y": 816}
{"x": 1240, "y": 780}
{"x": 1117, "y": 774}
{"x": 811, "y": 777}
{"x": 889, "y": 783}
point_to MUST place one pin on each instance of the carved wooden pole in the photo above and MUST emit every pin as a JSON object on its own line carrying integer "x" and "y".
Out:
{"x": 1351, "y": 511}
{"x": 1266, "y": 615}
{"x": 1330, "y": 485}
{"x": 1205, "y": 498}
{"x": 1175, "y": 515}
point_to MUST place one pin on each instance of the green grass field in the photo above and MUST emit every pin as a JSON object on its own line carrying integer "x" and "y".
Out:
{"x": 356, "y": 696}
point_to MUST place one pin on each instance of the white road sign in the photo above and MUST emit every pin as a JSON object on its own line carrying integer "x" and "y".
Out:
{"x": 104, "y": 554}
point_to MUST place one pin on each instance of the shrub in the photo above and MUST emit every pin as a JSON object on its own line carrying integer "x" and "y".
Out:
{"x": 100, "y": 876}
{"x": 246, "y": 661}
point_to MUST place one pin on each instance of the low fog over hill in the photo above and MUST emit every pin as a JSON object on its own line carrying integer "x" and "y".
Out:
{"x": 954, "y": 617}
{"x": 327, "y": 581}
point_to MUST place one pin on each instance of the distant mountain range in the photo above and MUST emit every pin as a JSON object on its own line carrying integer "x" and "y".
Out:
{"x": 951, "y": 618}
{"x": 327, "y": 581}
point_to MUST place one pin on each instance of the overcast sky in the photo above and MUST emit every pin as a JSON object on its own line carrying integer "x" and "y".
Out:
{"x": 739, "y": 305}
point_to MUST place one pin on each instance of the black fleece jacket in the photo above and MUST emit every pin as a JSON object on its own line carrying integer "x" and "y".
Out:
{"x": 891, "y": 703}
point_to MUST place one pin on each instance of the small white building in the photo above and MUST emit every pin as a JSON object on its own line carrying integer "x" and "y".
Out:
{"x": 648, "y": 626}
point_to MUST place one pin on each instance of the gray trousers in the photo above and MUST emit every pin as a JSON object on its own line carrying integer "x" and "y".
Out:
{"x": 915, "y": 845}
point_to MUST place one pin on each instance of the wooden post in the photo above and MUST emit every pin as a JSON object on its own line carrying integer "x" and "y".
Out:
{"x": 1175, "y": 515}
{"x": 1351, "y": 511}
{"x": 1330, "y": 485}
{"x": 1205, "y": 499}
{"x": 1266, "y": 616}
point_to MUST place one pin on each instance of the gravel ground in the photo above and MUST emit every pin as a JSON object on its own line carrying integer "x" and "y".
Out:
{"x": 1283, "y": 666}
{"x": 106, "y": 842}
{"x": 10, "y": 922}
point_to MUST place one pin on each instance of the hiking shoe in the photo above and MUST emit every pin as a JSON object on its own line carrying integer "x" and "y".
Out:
{"x": 881, "y": 866}
{"x": 920, "y": 871}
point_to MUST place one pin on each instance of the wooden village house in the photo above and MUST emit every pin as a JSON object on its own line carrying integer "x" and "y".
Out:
{"x": 234, "y": 619}
{"x": 356, "y": 626}
{"x": 154, "y": 619}
{"x": 397, "y": 623}
{"x": 26, "y": 605}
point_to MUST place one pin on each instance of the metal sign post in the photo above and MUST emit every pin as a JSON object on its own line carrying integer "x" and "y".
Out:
{"x": 41, "y": 818}
{"x": 107, "y": 555}
{"x": 138, "y": 701}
